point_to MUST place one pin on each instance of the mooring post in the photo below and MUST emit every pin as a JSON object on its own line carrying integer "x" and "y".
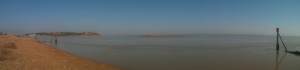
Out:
{"x": 277, "y": 43}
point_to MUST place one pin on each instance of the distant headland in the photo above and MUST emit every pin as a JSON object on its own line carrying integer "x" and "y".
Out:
{"x": 64, "y": 34}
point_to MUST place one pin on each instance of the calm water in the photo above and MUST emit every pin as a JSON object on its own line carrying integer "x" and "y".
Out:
{"x": 199, "y": 52}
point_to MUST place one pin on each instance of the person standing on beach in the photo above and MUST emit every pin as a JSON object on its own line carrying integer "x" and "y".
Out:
{"x": 55, "y": 40}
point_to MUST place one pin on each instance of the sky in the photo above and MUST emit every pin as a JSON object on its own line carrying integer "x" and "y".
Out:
{"x": 119, "y": 17}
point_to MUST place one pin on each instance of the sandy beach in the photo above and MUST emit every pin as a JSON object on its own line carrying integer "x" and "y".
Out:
{"x": 18, "y": 53}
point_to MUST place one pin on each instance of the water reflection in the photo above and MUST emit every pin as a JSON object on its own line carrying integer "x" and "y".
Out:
{"x": 277, "y": 59}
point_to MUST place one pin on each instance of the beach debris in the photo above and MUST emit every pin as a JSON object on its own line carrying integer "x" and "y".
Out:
{"x": 10, "y": 46}
{"x": 6, "y": 51}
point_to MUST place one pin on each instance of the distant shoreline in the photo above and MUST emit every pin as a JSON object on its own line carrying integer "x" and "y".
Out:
{"x": 84, "y": 36}
{"x": 64, "y": 34}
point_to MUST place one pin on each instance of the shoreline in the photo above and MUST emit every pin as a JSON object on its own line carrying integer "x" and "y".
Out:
{"x": 28, "y": 54}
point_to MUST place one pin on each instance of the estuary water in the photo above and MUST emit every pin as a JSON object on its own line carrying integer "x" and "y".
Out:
{"x": 194, "y": 52}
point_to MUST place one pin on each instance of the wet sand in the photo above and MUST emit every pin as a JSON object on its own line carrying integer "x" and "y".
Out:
{"x": 18, "y": 53}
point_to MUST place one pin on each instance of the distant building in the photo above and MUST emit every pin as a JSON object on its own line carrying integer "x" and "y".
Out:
{"x": 90, "y": 33}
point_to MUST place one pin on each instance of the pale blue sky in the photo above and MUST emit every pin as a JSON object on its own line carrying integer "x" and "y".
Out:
{"x": 115, "y": 17}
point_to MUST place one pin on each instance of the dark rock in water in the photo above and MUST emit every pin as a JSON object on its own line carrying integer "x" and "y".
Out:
{"x": 295, "y": 52}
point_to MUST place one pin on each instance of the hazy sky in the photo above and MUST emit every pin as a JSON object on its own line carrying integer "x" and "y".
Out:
{"x": 151, "y": 16}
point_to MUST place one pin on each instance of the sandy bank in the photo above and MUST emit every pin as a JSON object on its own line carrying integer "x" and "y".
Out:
{"x": 27, "y": 54}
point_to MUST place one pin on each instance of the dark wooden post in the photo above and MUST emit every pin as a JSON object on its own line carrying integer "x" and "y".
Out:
{"x": 277, "y": 41}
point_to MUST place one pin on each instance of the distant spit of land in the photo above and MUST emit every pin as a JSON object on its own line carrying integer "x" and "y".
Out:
{"x": 17, "y": 53}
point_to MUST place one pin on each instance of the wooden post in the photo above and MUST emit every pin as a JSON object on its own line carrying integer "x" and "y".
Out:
{"x": 277, "y": 41}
